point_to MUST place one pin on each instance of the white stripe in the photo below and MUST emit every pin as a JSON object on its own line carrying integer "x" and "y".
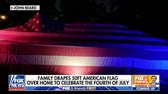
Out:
{"x": 89, "y": 61}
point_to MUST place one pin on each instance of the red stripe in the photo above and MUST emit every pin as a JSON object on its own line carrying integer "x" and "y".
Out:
{"x": 55, "y": 50}
{"x": 16, "y": 49}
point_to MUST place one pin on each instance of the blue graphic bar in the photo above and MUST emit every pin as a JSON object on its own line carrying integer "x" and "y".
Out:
{"x": 79, "y": 88}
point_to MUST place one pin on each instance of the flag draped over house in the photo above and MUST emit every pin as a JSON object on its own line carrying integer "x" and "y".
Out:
{"x": 83, "y": 48}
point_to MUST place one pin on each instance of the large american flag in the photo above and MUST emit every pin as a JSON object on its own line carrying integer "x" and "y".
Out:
{"x": 83, "y": 48}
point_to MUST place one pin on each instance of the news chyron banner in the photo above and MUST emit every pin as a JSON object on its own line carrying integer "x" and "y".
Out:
{"x": 84, "y": 83}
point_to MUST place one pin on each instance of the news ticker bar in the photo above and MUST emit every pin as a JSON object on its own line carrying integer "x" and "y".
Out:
{"x": 84, "y": 83}
{"x": 24, "y": 7}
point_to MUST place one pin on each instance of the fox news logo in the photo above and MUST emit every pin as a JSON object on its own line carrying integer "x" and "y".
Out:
{"x": 16, "y": 82}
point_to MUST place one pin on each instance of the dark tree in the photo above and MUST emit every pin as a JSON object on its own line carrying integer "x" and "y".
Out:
{"x": 82, "y": 10}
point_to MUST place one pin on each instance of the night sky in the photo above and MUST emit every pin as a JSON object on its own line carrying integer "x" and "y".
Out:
{"x": 148, "y": 16}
